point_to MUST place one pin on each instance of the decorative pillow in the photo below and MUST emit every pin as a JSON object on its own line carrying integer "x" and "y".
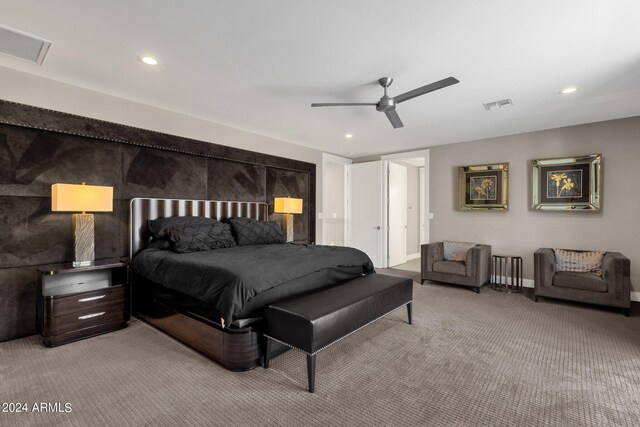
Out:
{"x": 578, "y": 261}
{"x": 190, "y": 238}
{"x": 456, "y": 251}
{"x": 249, "y": 231}
{"x": 160, "y": 227}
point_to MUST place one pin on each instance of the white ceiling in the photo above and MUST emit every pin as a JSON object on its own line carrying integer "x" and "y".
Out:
{"x": 257, "y": 65}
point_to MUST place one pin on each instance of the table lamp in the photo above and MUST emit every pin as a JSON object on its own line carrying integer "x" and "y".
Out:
{"x": 287, "y": 206}
{"x": 82, "y": 198}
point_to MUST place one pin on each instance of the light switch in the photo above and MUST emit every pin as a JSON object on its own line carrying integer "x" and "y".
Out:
{"x": 430, "y": 215}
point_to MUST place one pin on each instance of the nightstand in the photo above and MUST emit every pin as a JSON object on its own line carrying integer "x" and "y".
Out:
{"x": 80, "y": 302}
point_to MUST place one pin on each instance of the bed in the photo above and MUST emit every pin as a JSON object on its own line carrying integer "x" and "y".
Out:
{"x": 213, "y": 300}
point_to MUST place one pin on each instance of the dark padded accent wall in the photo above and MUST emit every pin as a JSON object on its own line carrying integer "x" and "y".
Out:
{"x": 39, "y": 147}
{"x": 293, "y": 184}
{"x": 236, "y": 181}
{"x": 165, "y": 174}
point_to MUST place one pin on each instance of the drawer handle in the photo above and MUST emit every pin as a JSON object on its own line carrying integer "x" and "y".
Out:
{"x": 89, "y": 316}
{"x": 91, "y": 298}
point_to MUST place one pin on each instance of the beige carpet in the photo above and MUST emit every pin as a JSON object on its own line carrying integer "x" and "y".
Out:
{"x": 491, "y": 360}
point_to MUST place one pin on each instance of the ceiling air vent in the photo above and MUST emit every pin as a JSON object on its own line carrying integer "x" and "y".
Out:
{"x": 498, "y": 104}
{"x": 23, "y": 46}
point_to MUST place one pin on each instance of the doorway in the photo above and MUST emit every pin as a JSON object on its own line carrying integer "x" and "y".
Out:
{"x": 375, "y": 229}
{"x": 398, "y": 215}
{"x": 407, "y": 207}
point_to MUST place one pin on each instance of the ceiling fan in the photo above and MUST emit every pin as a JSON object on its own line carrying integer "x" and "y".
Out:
{"x": 388, "y": 104}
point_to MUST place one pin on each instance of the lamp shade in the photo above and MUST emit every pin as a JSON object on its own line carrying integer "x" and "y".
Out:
{"x": 287, "y": 205}
{"x": 81, "y": 198}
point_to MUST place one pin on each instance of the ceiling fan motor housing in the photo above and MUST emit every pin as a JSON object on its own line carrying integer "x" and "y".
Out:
{"x": 386, "y": 103}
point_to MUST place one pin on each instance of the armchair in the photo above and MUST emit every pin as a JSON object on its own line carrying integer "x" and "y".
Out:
{"x": 611, "y": 289}
{"x": 473, "y": 272}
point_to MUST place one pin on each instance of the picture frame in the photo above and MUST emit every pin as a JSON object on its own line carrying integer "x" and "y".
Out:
{"x": 483, "y": 187}
{"x": 569, "y": 183}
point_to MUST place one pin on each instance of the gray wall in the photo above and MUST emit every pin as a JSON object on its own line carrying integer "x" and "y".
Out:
{"x": 520, "y": 231}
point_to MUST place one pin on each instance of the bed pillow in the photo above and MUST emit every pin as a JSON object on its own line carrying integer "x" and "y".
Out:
{"x": 578, "y": 261}
{"x": 160, "y": 227}
{"x": 249, "y": 231}
{"x": 456, "y": 251}
{"x": 195, "y": 238}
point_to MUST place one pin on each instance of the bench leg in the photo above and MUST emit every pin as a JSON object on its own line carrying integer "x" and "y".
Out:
{"x": 409, "y": 307}
{"x": 311, "y": 371}
{"x": 267, "y": 353}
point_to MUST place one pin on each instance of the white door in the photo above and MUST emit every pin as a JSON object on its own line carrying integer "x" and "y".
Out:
{"x": 364, "y": 230}
{"x": 397, "y": 214}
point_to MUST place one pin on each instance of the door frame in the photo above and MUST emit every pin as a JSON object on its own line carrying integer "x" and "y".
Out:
{"x": 385, "y": 199}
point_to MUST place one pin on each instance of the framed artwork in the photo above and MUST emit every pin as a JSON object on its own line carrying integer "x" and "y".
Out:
{"x": 571, "y": 183}
{"x": 483, "y": 187}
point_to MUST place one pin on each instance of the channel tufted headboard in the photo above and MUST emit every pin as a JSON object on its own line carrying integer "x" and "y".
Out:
{"x": 142, "y": 209}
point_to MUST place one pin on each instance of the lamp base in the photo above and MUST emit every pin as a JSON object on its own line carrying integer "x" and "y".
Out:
{"x": 287, "y": 226}
{"x": 82, "y": 263}
{"x": 83, "y": 247}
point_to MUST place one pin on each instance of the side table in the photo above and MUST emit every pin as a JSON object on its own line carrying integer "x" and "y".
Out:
{"x": 506, "y": 274}
{"x": 80, "y": 302}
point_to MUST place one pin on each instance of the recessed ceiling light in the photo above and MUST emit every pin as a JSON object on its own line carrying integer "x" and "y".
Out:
{"x": 149, "y": 60}
{"x": 568, "y": 90}
{"x": 348, "y": 135}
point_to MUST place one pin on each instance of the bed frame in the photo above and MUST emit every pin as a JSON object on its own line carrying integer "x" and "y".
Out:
{"x": 235, "y": 348}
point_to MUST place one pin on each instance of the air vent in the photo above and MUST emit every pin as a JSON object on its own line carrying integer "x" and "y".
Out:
{"x": 23, "y": 46}
{"x": 498, "y": 104}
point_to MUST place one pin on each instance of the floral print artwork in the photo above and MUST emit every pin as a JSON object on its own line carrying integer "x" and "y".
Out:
{"x": 564, "y": 183}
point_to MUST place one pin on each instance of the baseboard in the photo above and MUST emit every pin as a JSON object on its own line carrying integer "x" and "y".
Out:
{"x": 528, "y": 283}
{"x": 413, "y": 256}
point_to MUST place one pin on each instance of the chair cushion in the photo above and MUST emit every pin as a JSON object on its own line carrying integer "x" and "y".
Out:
{"x": 579, "y": 261}
{"x": 583, "y": 281}
{"x": 451, "y": 267}
{"x": 456, "y": 251}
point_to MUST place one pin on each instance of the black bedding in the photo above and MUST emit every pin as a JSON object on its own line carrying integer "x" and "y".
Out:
{"x": 240, "y": 281}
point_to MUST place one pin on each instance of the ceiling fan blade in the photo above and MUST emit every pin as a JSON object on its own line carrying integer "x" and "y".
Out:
{"x": 394, "y": 119}
{"x": 341, "y": 104}
{"x": 425, "y": 89}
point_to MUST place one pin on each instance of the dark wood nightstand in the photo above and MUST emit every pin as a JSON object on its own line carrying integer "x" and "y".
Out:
{"x": 80, "y": 302}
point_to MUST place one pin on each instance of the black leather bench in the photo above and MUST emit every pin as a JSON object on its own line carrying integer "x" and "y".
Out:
{"x": 313, "y": 322}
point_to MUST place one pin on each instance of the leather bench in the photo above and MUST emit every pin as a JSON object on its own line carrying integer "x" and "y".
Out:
{"x": 313, "y": 322}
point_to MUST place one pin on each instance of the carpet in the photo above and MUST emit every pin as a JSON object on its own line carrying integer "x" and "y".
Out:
{"x": 491, "y": 359}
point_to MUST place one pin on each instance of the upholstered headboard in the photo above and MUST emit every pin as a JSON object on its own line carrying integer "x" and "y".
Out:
{"x": 141, "y": 210}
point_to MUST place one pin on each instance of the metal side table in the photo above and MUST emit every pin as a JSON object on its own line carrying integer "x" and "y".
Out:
{"x": 506, "y": 274}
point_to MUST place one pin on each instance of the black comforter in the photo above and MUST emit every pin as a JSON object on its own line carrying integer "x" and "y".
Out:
{"x": 241, "y": 280}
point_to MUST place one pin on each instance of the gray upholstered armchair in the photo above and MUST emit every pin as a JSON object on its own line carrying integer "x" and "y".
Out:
{"x": 474, "y": 271}
{"x": 610, "y": 289}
